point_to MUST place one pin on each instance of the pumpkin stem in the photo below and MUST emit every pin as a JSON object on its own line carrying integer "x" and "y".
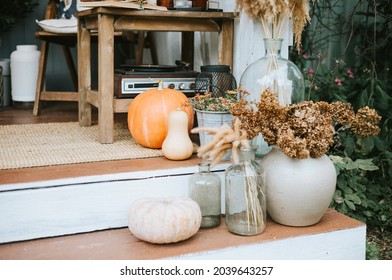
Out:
{"x": 160, "y": 85}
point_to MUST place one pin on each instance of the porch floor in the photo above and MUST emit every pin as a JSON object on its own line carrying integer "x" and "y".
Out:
{"x": 331, "y": 238}
{"x": 68, "y": 112}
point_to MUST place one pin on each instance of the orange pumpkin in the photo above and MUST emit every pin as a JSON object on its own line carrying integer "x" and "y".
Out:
{"x": 148, "y": 114}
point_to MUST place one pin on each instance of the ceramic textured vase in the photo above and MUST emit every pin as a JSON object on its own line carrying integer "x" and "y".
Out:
{"x": 279, "y": 75}
{"x": 24, "y": 72}
{"x": 299, "y": 191}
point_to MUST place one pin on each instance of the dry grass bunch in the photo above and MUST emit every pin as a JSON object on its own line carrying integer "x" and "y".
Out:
{"x": 224, "y": 138}
{"x": 274, "y": 16}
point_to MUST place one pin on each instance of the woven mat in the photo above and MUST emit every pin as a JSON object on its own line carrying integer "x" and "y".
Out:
{"x": 32, "y": 145}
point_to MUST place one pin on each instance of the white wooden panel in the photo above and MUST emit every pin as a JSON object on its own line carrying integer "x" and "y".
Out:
{"x": 227, "y": 5}
{"x": 58, "y": 207}
{"x": 249, "y": 44}
{"x": 135, "y": 175}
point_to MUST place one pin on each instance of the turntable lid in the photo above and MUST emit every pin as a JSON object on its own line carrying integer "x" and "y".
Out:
{"x": 150, "y": 68}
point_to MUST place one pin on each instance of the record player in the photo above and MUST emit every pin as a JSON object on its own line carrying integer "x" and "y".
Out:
{"x": 130, "y": 80}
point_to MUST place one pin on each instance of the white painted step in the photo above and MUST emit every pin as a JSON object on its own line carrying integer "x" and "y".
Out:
{"x": 73, "y": 205}
{"x": 335, "y": 237}
{"x": 74, "y": 211}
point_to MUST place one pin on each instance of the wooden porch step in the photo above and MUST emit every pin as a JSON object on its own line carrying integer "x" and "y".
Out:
{"x": 336, "y": 236}
{"x": 60, "y": 200}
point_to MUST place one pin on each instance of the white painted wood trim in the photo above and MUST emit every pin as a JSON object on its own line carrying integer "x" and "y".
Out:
{"x": 109, "y": 177}
{"x": 348, "y": 244}
{"x": 58, "y": 207}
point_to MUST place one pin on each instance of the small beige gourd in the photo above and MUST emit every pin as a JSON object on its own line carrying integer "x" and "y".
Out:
{"x": 177, "y": 144}
{"x": 164, "y": 220}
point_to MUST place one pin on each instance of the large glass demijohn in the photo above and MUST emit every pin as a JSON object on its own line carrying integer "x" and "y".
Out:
{"x": 277, "y": 73}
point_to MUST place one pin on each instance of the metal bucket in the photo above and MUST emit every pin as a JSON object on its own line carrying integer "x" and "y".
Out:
{"x": 212, "y": 119}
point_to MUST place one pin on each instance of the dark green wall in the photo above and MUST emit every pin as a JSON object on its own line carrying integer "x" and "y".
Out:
{"x": 23, "y": 34}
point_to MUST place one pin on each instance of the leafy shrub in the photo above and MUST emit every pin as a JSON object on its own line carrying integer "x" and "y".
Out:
{"x": 13, "y": 10}
{"x": 360, "y": 74}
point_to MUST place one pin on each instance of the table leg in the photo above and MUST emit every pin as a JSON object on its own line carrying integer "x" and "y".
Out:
{"x": 139, "y": 48}
{"x": 43, "y": 60}
{"x": 226, "y": 39}
{"x": 187, "y": 47}
{"x": 105, "y": 78}
{"x": 84, "y": 73}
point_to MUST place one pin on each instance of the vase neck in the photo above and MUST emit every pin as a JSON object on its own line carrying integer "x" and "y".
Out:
{"x": 273, "y": 46}
{"x": 204, "y": 167}
{"x": 246, "y": 154}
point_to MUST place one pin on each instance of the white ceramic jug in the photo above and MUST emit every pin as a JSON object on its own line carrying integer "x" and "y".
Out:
{"x": 24, "y": 73}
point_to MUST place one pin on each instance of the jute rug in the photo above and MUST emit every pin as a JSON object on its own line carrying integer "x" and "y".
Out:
{"x": 32, "y": 145}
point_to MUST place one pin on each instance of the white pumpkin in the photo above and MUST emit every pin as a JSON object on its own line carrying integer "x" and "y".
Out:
{"x": 165, "y": 219}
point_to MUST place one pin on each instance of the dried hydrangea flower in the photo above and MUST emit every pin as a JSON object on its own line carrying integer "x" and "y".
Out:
{"x": 366, "y": 122}
{"x": 302, "y": 130}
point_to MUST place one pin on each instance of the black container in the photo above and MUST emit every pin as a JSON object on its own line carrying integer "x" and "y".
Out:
{"x": 215, "y": 79}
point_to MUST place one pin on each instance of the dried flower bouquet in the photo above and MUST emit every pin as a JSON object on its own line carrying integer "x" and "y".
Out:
{"x": 305, "y": 129}
{"x": 274, "y": 16}
{"x": 301, "y": 130}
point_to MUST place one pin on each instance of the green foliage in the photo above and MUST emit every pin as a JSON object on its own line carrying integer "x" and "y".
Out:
{"x": 360, "y": 74}
{"x": 355, "y": 195}
{"x": 363, "y": 191}
{"x": 13, "y": 10}
{"x": 372, "y": 251}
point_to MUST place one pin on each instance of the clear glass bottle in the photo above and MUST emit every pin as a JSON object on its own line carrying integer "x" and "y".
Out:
{"x": 245, "y": 195}
{"x": 275, "y": 72}
{"x": 205, "y": 189}
{"x": 279, "y": 75}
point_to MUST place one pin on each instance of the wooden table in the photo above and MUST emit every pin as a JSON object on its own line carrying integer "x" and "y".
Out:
{"x": 107, "y": 21}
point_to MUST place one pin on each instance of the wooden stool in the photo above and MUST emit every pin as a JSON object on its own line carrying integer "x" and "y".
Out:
{"x": 66, "y": 40}
{"x": 141, "y": 40}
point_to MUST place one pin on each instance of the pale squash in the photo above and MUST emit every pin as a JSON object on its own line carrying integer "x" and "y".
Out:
{"x": 148, "y": 113}
{"x": 177, "y": 144}
{"x": 165, "y": 219}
